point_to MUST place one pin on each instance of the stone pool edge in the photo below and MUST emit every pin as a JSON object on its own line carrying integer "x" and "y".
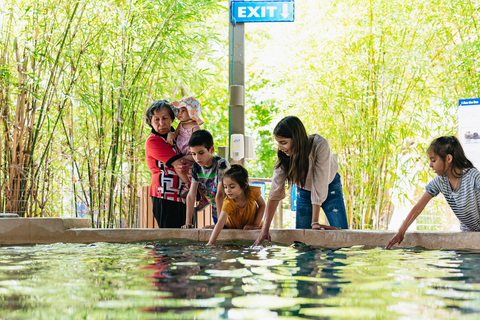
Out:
{"x": 30, "y": 231}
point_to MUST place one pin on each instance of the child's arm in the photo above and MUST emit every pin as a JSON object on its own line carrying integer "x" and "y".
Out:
{"x": 218, "y": 227}
{"x": 188, "y": 157}
{"x": 182, "y": 173}
{"x": 258, "y": 215}
{"x": 195, "y": 128}
{"x": 416, "y": 210}
{"x": 219, "y": 196}
{"x": 182, "y": 176}
{"x": 192, "y": 194}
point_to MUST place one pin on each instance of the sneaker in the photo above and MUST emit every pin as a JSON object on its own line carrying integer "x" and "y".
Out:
{"x": 184, "y": 191}
{"x": 202, "y": 204}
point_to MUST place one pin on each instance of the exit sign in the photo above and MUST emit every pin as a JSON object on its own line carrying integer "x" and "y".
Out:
{"x": 262, "y": 11}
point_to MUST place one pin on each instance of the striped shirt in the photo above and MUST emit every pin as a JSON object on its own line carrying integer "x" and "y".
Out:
{"x": 465, "y": 201}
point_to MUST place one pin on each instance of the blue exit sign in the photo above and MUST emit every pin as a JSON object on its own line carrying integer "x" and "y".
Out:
{"x": 262, "y": 11}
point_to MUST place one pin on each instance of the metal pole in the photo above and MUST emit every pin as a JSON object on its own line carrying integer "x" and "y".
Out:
{"x": 236, "y": 77}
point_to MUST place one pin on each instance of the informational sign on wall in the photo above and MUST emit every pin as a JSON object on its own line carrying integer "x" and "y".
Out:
{"x": 469, "y": 128}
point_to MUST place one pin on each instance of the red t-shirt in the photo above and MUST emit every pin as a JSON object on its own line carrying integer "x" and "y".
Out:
{"x": 160, "y": 155}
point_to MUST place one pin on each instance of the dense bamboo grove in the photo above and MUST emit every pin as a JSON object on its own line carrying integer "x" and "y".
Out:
{"x": 379, "y": 79}
{"x": 75, "y": 79}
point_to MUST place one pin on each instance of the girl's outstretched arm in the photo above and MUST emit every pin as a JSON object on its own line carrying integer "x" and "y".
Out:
{"x": 219, "y": 196}
{"x": 218, "y": 228}
{"x": 416, "y": 210}
{"x": 258, "y": 215}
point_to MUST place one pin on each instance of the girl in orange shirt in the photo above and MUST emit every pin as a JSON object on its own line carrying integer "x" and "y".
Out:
{"x": 243, "y": 207}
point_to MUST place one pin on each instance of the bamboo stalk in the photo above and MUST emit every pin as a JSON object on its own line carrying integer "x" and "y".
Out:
{"x": 116, "y": 142}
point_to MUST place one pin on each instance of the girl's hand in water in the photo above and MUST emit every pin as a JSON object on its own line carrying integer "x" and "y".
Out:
{"x": 397, "y": 239}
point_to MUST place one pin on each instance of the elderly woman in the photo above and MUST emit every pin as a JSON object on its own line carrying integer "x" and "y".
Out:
{"x": 163, "y": 159}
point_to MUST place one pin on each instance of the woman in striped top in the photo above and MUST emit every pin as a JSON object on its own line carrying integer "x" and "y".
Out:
{"x": 457, "y": 179}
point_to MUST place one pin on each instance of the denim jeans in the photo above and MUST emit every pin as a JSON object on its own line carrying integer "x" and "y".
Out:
{"x": 333, "y": 206}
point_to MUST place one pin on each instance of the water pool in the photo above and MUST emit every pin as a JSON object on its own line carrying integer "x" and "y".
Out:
{"x": 167, "y": 280}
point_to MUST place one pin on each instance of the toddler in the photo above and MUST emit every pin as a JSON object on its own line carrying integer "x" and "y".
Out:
{"x": 188, "y": 111}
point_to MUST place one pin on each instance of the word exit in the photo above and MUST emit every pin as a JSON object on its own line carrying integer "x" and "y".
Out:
{"x": 262, "y": 11}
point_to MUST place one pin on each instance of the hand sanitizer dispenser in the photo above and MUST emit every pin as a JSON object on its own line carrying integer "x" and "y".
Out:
{"x": 237, "y": 146}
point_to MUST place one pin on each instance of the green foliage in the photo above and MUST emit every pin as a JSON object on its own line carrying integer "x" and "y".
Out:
{"x": 371, "y": 114}
{"x": 259, "y": 122}
{"x": 378, "y": 79}
{"x": 89, "y": 71}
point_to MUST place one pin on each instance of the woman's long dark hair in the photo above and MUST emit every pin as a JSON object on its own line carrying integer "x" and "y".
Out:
{"x": 446, "y": 145}
{"x": 295, "y": 166}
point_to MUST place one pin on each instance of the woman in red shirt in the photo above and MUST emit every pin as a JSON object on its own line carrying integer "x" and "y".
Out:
{"x": 163, "y": 159}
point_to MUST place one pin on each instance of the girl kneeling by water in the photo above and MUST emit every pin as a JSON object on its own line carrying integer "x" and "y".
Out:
{"x": 243, "y": 206}
{"x": 457, "y": 179}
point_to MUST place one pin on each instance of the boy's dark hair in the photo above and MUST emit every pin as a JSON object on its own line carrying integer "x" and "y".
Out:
{"x": 446, "y": 145}
{"x": 157, "y": 106}
{"x": 201, "y": 138}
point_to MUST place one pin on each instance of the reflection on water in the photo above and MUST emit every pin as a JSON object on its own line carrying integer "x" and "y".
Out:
{"x": 166, "y": 280}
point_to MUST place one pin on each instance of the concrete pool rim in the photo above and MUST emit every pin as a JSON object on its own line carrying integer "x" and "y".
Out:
{"x": 31, "y": 231}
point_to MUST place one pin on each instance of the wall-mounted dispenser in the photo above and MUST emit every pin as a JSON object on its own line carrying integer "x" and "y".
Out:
{"x": 249, "y": 148}
{"x": 241, "y": 147}
{"x": 237, "y": 146}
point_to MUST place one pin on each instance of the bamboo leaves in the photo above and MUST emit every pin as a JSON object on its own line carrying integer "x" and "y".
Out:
{"x": 90, "y": 67}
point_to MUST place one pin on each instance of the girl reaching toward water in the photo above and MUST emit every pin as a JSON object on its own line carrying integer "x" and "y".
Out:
{"x": 305, "y": 160}
{"x": 457, "y": 179}
{"x": 243, "y": 207}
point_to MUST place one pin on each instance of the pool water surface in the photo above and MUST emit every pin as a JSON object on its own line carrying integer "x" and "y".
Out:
{"x": 185, "y": 280}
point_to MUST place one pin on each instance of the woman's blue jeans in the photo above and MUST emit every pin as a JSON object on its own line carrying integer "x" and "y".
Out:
{"x": 333, "y": 206}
